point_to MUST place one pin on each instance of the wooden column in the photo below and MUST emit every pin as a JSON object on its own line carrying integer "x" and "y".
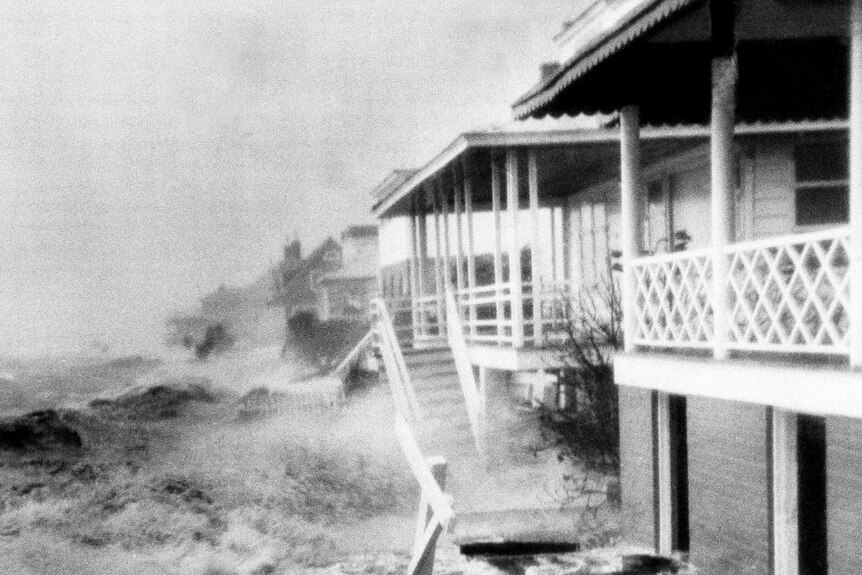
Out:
{"x": 422, "y": 232}
{"x": 630, "y": 216}
{"x": 471, "y": 244}
{"x": 425, "y": 566}
{"x": 414, "y": 258}
{"x": 458, "y": 190}
{"x": 438, "y": 251}
{"x": 447, "y": 253}
{"x": 724, "y": 76}
{"x": 515, "y": 283}
{"x": 496, "y": 187}
{"x": 785, "y": 492}
{"x": 856, "y": 184}
{"x": 566, "y": 247}
{"x": 555, "y": 247}
{"x": 663, "y": 495}
{"x": 535, "y": 247}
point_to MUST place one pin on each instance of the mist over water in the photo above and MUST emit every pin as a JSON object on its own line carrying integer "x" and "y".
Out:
{"x": 153, "y": 151}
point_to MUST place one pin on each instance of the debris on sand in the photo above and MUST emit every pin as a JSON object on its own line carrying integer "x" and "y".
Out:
{"x": 46, "y": 430}
{"x": 162, "y": 400}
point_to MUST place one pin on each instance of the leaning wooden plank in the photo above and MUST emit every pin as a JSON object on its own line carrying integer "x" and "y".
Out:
{"x": 465, "y": 373}
{"x": 423, "y": 563}
{"x": 385, "y": 323}
{"x": 436, "y": 499}
{"x": 350, "y": 357}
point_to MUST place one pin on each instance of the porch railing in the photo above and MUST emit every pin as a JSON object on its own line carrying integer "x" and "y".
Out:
{"x": 673, "y": 299}
{"x": 429, "y": 321}
{"x": 787, "y": 294}
{"x": 401, "y": 311}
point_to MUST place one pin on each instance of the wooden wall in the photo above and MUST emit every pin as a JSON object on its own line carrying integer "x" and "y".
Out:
{"x": 728, "y": 487}
{"x": 636, "y": 473}
{"x": 844, "y": 494}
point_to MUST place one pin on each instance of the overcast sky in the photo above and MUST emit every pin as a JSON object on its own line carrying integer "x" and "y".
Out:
{"x": 152, "y": 150}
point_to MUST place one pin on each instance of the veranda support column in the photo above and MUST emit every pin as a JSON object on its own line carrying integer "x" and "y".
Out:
{"x": 498, "y": 241}
{"x": 630, "y": 216}
{"x": 535, "y": 248}
{"x": 422, "y": 232}
{"x": 724, "y": 75}
{"x": 471, "y": 244}
{"x": 447, "y": 255}
{"x": 458, "y": 189}
{"x": 414, "y": 260}
{"x": 515, "y": 285}
{"x": 856, "y": 185}
{"x": 437, "y": 263}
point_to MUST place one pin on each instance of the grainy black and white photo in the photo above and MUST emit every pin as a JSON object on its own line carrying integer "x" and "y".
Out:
{"x": 442, "y": 287}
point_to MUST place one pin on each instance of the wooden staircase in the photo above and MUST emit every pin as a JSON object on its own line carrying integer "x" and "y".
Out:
{"x": 445, "y": 426}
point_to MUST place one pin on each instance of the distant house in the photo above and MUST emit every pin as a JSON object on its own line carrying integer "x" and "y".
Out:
{"x": 298, "y": 278}
{"x": 347, "y": 291}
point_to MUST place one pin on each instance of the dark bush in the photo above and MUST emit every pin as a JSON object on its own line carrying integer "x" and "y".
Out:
{"x": 216, "y": 340}
{"x": 324, "y": 343}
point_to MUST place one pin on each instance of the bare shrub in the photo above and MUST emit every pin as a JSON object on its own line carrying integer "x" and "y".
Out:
{"x": 584, "y": 431}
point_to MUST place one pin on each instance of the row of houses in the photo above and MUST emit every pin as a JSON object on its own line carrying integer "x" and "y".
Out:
{"x": 335, "y": 280}
{"x": 720, "y": 166}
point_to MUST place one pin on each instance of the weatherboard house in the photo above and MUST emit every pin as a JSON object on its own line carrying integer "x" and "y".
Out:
{"x": 737, "y": 125}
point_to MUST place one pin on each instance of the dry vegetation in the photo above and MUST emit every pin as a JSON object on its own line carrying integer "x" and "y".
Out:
{"x": 166, "y": 479}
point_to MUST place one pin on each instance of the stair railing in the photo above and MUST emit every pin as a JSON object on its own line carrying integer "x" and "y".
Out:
{"x": 396, "y": 368}
{"x": 435, "y": 509}
{"x": 474, "y": 402}
{"x": 342, "y": 368}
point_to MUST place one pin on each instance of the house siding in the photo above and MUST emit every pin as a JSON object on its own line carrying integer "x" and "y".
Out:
{"x": 844, "y": 494}
{"x": 773, "y": 210}
{"x": 636, "y": 474}
{"x": 728, "y": 487}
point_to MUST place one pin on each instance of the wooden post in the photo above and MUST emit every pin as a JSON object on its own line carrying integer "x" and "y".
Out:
{"x": 422, "y": 231}
{"x": 724, "y": 76}
{"x": 785, "y": 493}
{"x": 437, "y": 465}
{"x": 856, "y": 185}
{"x": 483, "y": 401}
{"x": 447, "y": 255}
{"x": 515, "y": 283}
{"x": 498, "y": 241}
{"x": 535, "y": 247}
{"x": 566, "y": 247}
{"x": 630, "y": 216}
{"x": 555, "y": 247}
{"x": 471, "y": 244}
{"x": 664, "y": 534}
{"x": 437, "y": 264}
{"x": 414, "y": 260}
{"x": 458, "y": 190}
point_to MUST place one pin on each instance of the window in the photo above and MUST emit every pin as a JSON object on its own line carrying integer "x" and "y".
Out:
{"x": 822, "y": 184}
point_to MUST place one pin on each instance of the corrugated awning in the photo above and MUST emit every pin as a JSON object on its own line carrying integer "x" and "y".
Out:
{"x": 633, "y": 20}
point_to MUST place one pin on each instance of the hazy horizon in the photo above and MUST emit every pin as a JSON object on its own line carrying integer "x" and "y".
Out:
{"x": 152, "y": 151}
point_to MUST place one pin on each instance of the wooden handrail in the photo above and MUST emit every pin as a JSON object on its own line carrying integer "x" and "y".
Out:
{"x": 396, "y": 368}
{"x": 437, "y": 500}
{"x": 354, "y": 352}
{"x": 465, "y": 373}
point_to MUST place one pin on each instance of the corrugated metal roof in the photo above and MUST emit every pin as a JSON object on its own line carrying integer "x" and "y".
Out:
{"x": 608, "y": 31}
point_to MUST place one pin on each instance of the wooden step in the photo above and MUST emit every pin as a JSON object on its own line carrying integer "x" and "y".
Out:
{"x": 517, "y": 530}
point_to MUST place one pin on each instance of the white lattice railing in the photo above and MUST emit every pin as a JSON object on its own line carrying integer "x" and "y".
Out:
{"x": 487, "y": 314}
{"x": 429, "y": 321}
{"x": 673, "y": 299}
{"x": 787, "y": 294}
{"x": 790, "y": 294}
